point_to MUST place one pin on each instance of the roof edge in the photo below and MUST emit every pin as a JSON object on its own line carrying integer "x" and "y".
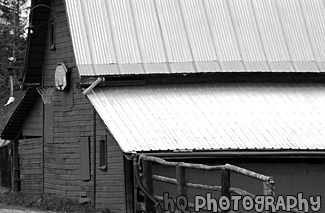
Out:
{"x": 235, "y": 153}
{"x": 217, "y": 77}
{"x": 9, "y": 132}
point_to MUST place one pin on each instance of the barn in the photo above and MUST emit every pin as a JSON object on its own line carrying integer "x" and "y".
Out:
{"x": 200, "y": 81}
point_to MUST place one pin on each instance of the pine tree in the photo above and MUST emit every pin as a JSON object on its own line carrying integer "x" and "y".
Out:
{"x": 13, "y": 23}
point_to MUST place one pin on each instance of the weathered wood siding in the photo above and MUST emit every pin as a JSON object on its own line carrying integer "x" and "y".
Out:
{"x": 69, "y": 119}
{"x": 30, "y": 160}
{"x": 110, "y": 182}
{"x": 33, "y": 124}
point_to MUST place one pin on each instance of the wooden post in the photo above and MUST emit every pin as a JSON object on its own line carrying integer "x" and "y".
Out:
{"x": 129, "y": 183}
{"x": 148, "y": 184}
{"x": 136, "y": 205}
{"x": 268, "y": 189}
{"x": 225, "y": 185}
{"x": 181, "y": 181}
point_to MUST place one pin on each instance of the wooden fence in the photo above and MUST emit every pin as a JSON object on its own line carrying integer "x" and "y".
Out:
{"x": 146, "y": 178}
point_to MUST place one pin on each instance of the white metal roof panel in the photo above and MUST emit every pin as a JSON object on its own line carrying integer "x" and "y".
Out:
{"x": 198, "y": 31}
{"x": 149, "y": 35}
{"x": 294, "y": 26}
{"x": 313, "y": 11}
{"x": 269, "y": 26}
{"x": 214, "y": 116}
{"x": 187, "y": 36}
{"x": 173, "y": 31}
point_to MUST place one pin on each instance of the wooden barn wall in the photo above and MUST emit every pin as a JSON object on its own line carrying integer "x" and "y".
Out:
{"x": 33, "y": 124}
{"x": 69, "y": 120}
{"x": 290, "y": 179}
{"x": 110, "y": 182}
{"x": 30, "y": 161}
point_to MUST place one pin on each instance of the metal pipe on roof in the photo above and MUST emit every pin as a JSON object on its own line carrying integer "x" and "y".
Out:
{"x": 11, "y": 98}
{"x": 93, "y": 85}
{"x": 11, "y": 79}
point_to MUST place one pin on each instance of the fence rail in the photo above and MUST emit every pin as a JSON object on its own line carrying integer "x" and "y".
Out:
{"x": 228, "y": 167}
{"x": 145, "y": 181}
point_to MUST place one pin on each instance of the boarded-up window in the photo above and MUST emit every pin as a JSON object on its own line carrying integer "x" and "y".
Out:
{"x": 84, "y": 159}
{"x": 102, "y": 154}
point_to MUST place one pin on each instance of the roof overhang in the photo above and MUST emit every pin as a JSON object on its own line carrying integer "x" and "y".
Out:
{"x": 16, "y": 121}
{"x": 218, "y": 118}
{"x": 238, "y": 154}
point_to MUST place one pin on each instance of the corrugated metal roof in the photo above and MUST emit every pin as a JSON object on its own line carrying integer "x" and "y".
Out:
{"x": 113, "y": 37}
{"x": 214, "y": 117}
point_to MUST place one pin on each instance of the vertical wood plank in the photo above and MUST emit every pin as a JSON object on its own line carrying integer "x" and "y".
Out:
{"x": 84, "y": 159}
{"x": 15, "y": 163}
{"x": 225, "y": 184}
{"x": 67, "y": 98}
{"x": 181, "y": 181}
{"x": 129, "y": 183}
{"x": 136, "y": 186}
{"x": 94, "y": 157}
{"x": 48, "y": 123}
{"x": 148, "y": 184}
{"x": 268, "y": 189}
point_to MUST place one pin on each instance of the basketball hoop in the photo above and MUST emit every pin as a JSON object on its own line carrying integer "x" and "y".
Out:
{"x": 47, "y": 94}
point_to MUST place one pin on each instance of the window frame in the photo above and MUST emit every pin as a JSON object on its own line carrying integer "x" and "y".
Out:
{"x": 52, "y": 32}
{"x": 103, "y": 153}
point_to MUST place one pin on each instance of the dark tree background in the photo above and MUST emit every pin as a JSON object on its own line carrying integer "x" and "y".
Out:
{"x": 13, "y": 23}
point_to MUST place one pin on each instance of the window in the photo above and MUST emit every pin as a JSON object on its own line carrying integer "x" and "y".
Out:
{"x": 103, "y": 154}
{"x": 52, "y": 34}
